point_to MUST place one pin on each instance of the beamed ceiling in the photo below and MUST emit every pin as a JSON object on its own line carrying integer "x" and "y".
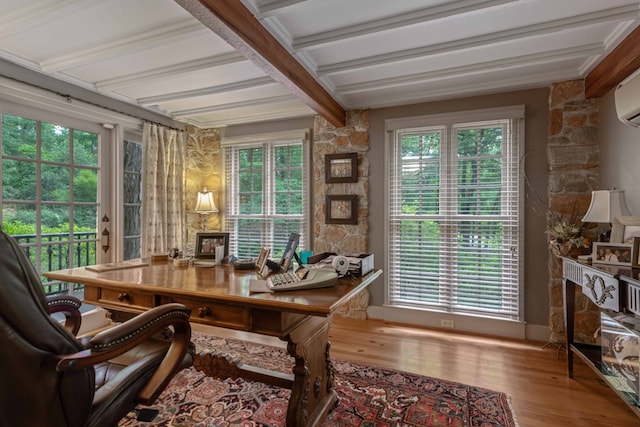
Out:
{"x": 216, "y": 63}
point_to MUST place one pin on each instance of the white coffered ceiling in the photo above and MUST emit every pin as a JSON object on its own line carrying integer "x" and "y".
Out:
{"x": 364, "y": 53}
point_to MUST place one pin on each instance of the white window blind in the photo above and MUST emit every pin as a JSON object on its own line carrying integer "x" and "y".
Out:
{"x": 454, "y": 212}
{"x": 267, "y": 194}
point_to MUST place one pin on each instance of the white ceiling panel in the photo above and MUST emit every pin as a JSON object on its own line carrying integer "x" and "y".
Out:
{"x": 444, "y": 86}
{"x": 365, "y": 53}
{"x": 271, "y": 90}
{"x": 193, "y": 80}
{"x": 169, "y": 55}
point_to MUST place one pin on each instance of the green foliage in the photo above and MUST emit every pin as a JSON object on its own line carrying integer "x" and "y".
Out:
{"x": 85, "y": 183}
{"x": 20, "y": 146}
{"x": 287, "y": 180}
{"x": 17, "y": 228}
{"x": 477, "y": 245}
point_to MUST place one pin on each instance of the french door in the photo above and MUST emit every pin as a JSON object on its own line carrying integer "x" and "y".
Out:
{"x": 54, "y": 191}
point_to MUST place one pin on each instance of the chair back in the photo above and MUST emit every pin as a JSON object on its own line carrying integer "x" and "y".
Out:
{"x": 32, "y": 392}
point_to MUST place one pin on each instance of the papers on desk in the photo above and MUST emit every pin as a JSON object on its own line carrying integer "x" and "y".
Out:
{"x": 202, "y": 263}
{"x": 132, "y": 263}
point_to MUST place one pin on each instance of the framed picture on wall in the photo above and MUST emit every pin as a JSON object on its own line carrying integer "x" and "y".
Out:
{"x": 341, "y": 209}
{"x": 635, "y": 253}
{"x": 341, "y": 167}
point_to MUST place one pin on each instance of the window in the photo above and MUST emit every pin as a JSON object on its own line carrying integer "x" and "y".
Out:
{"x": 267, "y": 194}
{"x": 454, "y": 212}
{"x": 50, "y": 193}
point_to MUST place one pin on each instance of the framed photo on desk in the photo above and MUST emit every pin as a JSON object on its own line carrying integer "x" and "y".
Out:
{"x": 625, "y": 228}
{"x": 206, "y": 244}
{"x": 613, "y": 253}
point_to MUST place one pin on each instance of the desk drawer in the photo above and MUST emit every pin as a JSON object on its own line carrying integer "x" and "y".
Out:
{"x": 125, "y": 298}
{"x": 601, "y": 288}
{"x": 216, "y": 314}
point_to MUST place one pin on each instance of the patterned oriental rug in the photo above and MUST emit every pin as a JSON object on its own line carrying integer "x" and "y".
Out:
{"x": 369, "y": 396}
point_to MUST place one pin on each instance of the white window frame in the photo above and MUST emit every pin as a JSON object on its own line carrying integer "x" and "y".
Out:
{"x": 231, "y": 201}
{"x": 446, "y": 121}
{"x": 24, "y": 100}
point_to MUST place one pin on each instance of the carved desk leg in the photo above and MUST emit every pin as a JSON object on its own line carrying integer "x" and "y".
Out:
{"x": 312, "y": 395}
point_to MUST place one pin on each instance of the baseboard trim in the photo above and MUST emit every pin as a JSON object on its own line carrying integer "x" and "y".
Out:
{"x": 461, "y": 323}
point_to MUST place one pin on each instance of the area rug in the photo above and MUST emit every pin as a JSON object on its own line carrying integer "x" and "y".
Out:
{"x": 369, "y": 396}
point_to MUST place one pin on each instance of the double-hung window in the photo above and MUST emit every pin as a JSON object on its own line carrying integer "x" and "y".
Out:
{"x": 267, "y": 192}
{"x": 455, "y": 212}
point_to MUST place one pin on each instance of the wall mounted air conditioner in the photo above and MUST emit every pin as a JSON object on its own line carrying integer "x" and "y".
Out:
{"x": 627, "y": 96}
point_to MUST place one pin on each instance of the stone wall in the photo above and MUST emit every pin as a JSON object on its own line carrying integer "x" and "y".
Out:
{"x": 346, "y": 239}
{"x": 327, "y": 139}
{"x": 203, "y": 169}
{"x": 573, "y": 155}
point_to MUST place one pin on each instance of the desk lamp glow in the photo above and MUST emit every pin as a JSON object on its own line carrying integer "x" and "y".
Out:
{"x": 605, "y": 206}
{"x": 205, "y": 206}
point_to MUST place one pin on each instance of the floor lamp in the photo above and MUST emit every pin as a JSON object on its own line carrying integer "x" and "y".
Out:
{"x": 205, "y": 206}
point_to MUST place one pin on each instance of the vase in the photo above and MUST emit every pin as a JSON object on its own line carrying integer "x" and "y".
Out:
{"x": 564, "y": 249}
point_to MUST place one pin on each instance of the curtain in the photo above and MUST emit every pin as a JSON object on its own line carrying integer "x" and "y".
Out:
{"x": 163, "y": 211}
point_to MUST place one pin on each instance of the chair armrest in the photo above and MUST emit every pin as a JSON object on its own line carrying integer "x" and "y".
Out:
{"x": 70, "y": 307}
{"x": 125, "y": 336}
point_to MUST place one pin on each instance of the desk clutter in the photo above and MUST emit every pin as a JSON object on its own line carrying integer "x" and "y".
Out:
{"x": 132, "y": 263}
{"x": 358, "y": 265}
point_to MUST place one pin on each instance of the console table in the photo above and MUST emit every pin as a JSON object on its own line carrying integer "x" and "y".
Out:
{"x": 221, "y": 296}
{"x": 616, "y": 292}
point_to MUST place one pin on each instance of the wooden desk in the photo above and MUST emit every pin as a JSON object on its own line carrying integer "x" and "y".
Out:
{"x": 220, "y": 296}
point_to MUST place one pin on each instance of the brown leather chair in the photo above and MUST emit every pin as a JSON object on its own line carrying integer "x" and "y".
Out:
{"x": 50, "y": 378}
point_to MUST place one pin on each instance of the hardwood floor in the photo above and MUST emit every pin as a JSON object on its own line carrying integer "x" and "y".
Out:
{"x": 533, "y": 376}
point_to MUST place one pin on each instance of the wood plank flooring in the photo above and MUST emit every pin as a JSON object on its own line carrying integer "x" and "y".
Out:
{"x": 533, "y": 376}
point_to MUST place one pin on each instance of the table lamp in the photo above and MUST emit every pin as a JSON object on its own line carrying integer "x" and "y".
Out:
{"x": 205, "y": 206}
{"x": 605, "y": 206}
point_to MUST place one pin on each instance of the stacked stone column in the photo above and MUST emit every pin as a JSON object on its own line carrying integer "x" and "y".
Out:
{"x": 573, "y": 155}
{"x": 342, "y": 238}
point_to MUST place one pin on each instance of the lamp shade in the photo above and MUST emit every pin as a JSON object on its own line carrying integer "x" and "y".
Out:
{"x": 606, "y": 205}
{"x": 205, "y": 203}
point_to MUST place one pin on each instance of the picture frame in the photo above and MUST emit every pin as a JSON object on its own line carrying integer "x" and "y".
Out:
{"x": 261, "y": 263}
{"x": 341, "y": 209}
{"x": 635, "y": 253}
{"x": 341, "y": 167}
{"x": 614, "y": 253}
{"x": 624, "y": 229}
{"x": 206, "y": 244}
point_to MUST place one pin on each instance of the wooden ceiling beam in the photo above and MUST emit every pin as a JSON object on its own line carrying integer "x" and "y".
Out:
{"x": 235, "y": 24}
{"x": 615, "y": 67}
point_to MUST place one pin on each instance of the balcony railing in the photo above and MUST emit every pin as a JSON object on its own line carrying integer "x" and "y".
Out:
{"x": 55, "y": 251}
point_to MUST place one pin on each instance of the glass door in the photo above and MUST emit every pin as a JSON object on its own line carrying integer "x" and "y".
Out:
{"x": 53, "y": 188}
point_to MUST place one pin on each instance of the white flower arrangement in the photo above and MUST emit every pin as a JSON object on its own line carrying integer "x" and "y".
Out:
{"x": 563, "y": 232}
